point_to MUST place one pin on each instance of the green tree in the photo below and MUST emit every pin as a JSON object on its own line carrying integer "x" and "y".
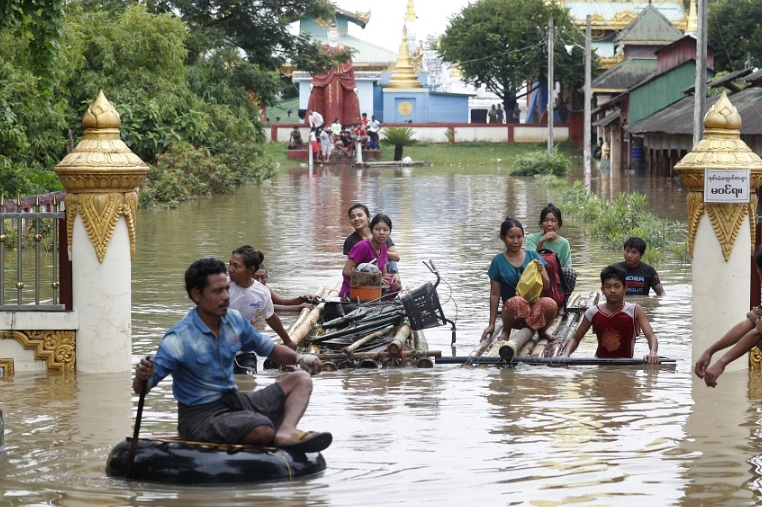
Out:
{"x": 32, "y": 124}
{"x": 138, "y": 58}
{"x": 503, "y": 43}
{"x": 258, "y": 27}
{"x": 735, "y": 33}
{"x": 40, "y": 22}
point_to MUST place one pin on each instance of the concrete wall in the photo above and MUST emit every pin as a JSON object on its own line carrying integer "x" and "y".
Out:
{"x": 463, "y": 132}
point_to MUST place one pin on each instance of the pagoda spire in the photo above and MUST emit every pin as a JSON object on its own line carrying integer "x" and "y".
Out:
{"x": 692, "y": 25}
{"x": 403, "y": 75}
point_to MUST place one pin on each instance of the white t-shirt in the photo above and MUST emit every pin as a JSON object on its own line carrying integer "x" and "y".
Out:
{"x": 252, "y": 301}
{"x": 316, "y": 119}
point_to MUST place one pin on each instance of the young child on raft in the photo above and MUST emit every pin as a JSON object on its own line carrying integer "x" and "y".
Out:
{"x": 743, "y": 336}
{"x": 616, "y": 323}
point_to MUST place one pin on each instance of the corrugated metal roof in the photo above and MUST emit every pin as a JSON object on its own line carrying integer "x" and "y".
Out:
{"x": 754, "y": 76}
{"x": 363, "y": 51}
{"x": 649, "y": 26}
{"x": 607, "y": 120}
{"x": 625, "y": 74}
{"x": 673, "y": 11}
{"x": 677, "y": 119}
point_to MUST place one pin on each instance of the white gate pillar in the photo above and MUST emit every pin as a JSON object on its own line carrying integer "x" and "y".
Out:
{"x": 100, "y": 176}
{"x": 720, "y": 235}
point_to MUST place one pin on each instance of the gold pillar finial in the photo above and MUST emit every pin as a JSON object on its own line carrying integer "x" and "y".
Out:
{"x": 410, "y": 12}
{"x": 692, "y": 22}
{"x": 721, "y": 149}
{"x": 100, "y": 176}
{"x": 404, "y": 75}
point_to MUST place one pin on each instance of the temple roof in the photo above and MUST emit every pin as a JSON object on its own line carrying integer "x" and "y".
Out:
{"x": 615, "y": 15}
{"x": 365, "y": 55}
{"x": 624, "y": 75}
{"x": 650, "y": 27}
{"x": 363, "y": 52}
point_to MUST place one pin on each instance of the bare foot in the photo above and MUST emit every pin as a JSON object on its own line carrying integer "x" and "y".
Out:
{"x": 543, "y": 335}
{"x": 283, "y": 437}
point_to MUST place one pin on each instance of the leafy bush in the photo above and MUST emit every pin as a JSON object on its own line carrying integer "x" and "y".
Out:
{"x": 184, "y": 171}
{"x": 541, "y": 162}
{"x": 615, "y": 220}
{"x": 550, "y": 181}
{"x": 28, "y": 241}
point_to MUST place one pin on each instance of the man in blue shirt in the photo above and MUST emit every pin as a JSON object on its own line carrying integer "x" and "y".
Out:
{"x": 199, "y": 353}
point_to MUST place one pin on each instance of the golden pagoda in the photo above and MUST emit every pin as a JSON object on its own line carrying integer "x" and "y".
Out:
{"x": 403, "y": 75}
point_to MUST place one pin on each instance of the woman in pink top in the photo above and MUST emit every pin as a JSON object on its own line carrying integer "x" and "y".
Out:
{"x": 372, "y": 251}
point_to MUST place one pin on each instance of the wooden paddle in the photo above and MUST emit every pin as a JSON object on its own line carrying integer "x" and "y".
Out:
{"x": 134, "y": 446}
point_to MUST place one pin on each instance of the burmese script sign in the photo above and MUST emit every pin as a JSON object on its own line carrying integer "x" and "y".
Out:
{"x": 724, "y": 185}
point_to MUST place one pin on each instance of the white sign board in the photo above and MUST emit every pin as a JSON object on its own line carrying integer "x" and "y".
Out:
{"x": 723, "y": 185}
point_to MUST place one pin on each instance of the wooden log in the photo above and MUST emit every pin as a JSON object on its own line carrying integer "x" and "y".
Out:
{"x": 425, "y": 362}
{"x": 407, "y": 362}
{"x": 486, "y": 342}
{"x": 397, "y": 345}
{"x": 564, "y": 332}
{"x": 365, "y": 339}
{"x": 518, "y": 339}
{"x": 367, "y": 363}
{"x": 301, "y": 331}
{"x": 526, "y": 350}
{"x": 539, "y": 348}
{"x": 419, "y": 340}
{"x": 303, "y": 314}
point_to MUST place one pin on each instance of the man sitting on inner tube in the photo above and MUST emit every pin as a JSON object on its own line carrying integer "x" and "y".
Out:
{"x": 199, "y": 352}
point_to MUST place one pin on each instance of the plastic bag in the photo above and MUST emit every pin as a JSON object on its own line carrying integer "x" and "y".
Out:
{"x": 530, "y": 283}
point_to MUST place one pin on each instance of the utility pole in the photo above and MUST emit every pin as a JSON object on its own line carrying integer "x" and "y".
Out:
{"x": 588, "y": 98}
{"x": 551, "y": 85}
{"x": 699, "y": 104}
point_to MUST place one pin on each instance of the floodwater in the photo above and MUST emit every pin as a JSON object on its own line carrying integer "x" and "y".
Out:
{"x": 535, "y": 436}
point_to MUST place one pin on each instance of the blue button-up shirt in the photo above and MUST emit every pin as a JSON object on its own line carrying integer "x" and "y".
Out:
{"x": 201, "y": 364}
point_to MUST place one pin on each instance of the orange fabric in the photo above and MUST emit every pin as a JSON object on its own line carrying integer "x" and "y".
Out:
{"x": 537, "y": 315}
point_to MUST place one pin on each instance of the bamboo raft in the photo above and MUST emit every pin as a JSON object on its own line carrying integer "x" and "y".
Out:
{"x": 525, "y": 346}
{"x": 526, "y": 343}
{"x": 376, "y": 334}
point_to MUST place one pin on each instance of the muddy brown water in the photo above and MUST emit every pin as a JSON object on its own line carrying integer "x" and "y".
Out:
{"x": 536, "y": 436}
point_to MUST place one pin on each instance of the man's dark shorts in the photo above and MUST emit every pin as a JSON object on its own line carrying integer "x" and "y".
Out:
{"x": 232, "y": 417}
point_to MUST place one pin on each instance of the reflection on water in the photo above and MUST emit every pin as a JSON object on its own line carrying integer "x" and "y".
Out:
{"x": 529, "y": 436}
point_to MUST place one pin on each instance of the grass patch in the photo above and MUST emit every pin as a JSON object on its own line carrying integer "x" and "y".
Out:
{"x": 281, "y": 111}
{"x": 472, "y": 154}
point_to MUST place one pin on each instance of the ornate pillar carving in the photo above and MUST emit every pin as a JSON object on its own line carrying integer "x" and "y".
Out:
{"x": 720, "y": 235}
{"x": 101, "y": 176}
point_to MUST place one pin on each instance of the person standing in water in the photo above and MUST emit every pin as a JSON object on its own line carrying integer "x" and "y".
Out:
{"x": 250, "y": 297}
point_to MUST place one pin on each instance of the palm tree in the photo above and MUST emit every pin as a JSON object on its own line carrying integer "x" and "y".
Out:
{"x": 399, "y": 137}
